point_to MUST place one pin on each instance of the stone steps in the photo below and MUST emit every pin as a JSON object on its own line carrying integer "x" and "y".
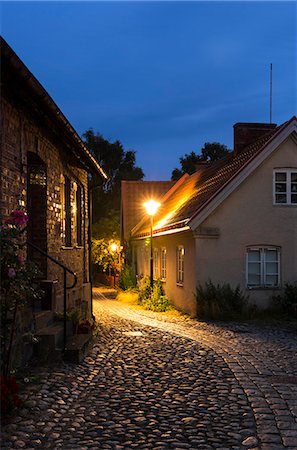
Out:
{"x": 50, "y": 336}
{"x": 77, "y": 348}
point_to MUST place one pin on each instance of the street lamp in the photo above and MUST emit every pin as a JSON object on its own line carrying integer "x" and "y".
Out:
{"x": 115, "y": 248}
{"x": 151, "y": 208}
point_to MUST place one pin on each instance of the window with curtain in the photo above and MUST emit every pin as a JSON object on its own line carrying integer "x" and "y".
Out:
{"x": 263, "y": 267}
{"x": 67, "y": 200}
{"x": 78, "y": 215}
{"x": 155, "y": 264}
{"x": 180, "y": 264}
{"x": 163, "y": 264}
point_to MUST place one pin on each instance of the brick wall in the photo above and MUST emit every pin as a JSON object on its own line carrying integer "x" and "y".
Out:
{"x": 22, "y": 134}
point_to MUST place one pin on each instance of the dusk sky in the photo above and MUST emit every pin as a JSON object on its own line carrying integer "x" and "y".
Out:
{"x": 161, "y": 77}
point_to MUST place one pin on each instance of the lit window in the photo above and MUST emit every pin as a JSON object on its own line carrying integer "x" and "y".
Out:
{"x": 67, "y": 199}
{"x": 180, "y": 263}
{"x": 163, "y": 263}
{"x": 79, "y": 215}
{"x": 285, "y": 187}
{"x": 263, "y": 267}
{"x": 155, "y": 264}
{"x": 62, "y": 191}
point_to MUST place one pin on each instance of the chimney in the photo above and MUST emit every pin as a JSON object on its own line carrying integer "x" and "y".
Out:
{"x": 248, "y": 133}
{"x": 201, "y": 165}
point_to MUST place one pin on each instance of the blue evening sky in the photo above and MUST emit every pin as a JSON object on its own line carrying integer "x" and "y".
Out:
{"x": 162, "y": 77}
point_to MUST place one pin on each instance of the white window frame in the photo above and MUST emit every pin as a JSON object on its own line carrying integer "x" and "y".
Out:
{"x": 288, "y": 183}
{"x": 155, "y": 263}
{"x": 163, "y": 264}
{"x": 180, "y": 265}
{"x": 263, "y": 267}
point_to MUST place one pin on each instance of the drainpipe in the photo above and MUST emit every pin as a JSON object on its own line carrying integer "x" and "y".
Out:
{"x": 90, "y": 214}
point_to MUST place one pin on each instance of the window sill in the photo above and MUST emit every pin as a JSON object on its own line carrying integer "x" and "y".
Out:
{"x": 286, "y": 205}
{"x": 64, "y": 247}
{"x": 180, "y": 284}
{"x": 263, "y": 288}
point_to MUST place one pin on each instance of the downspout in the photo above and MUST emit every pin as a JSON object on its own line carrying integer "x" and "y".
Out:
{"x": 90, "y": 215}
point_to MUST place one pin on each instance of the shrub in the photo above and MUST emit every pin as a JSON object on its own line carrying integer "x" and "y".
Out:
{"x": 144, "y": 289}
{"x": 153, "y": 299}
{"x": 287, "y": 302}
{"x": 127, "y": 278}
{"x": 220, "y": 302}
{"x": 9, "y": 395}
{"x": 18, "y": 284}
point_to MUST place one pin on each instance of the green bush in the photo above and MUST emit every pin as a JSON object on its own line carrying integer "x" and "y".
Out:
{"x": 287, "y": 302}
{"x": 153, "y": 299}
{"x": 220, "y": 302}
{"x": 127, "y": 278}
{"x": 144, "y": 289}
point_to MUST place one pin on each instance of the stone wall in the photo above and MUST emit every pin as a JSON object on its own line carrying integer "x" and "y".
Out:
{"x": 23, "y": 133}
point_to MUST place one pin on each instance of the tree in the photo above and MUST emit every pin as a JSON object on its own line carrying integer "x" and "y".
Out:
{"x": 118, "y": 165}
{"x": 211, "y": 151}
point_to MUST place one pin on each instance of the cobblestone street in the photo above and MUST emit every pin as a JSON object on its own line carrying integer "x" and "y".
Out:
{"x": 155, "y": 381}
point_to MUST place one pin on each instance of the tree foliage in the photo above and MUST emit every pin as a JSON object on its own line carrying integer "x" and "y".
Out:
{"x": 104, "y": 257}
{"x": 211, "y": 151}
{"x": 118, "y": 165}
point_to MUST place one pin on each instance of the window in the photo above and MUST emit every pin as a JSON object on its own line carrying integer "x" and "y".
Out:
{"x": 67, "y": 200}
{"x": 285, "y": 187}
{"x": 180, "y": 262}
{"x": 163, "y": 263}
{"x": 78, "y": 216}
{"x": 62, "y": 191}
{"x": 263, "y": 267}
{"x": 77, "y": 213}
{"x": 155, "y": 264}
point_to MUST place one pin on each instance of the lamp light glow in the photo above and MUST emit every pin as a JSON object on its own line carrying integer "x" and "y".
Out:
{"x": 114, "y": 247}
{"x": 151, "y": 207}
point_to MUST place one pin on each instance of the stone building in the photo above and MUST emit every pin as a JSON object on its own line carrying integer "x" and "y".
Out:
{"x": 45, "y": 170}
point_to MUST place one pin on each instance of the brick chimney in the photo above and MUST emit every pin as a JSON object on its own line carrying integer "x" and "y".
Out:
{"x": 201, "y": 165}
{"x": 247, "y": 133}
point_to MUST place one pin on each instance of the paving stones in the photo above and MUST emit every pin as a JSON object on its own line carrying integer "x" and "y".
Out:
{"x": 153, "y": 382}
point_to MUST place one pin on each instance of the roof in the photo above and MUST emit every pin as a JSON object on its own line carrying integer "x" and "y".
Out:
{"x": 134, "y": 194}
{"x": 198, "y": 190}
{"x": 15, "y": 74}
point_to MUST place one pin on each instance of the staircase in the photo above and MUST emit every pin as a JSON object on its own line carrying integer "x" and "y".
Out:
{"x": 50, "y": 337}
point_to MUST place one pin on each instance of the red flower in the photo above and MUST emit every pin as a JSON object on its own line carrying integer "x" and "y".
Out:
{"x": 17, "y": 217}
{"x": 11, "y": 272}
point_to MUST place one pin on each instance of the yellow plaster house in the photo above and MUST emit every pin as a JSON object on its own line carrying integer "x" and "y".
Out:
{"x": 232, "y": 221}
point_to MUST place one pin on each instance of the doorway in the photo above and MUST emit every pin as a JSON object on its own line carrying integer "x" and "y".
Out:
{"x": 37, "y": 210}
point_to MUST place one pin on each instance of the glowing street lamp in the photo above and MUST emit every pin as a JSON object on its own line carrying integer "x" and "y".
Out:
{"x": 151, "y": 208}
{"x": 115, "y": 248}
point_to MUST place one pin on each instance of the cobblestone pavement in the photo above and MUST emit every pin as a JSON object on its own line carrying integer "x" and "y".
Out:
{"x": 154, "y": 381}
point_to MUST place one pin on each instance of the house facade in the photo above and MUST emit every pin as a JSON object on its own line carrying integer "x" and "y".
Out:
{"x": 45, "y": 168}
{"x": 233, "y": 221}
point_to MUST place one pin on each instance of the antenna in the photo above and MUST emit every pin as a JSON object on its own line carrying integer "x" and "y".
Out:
{"x": 270, "y": 93}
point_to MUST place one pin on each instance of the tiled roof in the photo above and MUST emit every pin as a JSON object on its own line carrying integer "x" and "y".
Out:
{"x": 201, "y": 187}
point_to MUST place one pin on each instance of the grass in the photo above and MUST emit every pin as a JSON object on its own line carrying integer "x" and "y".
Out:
{"x": 128, "y": 297}
{"x": 131, "y": 298}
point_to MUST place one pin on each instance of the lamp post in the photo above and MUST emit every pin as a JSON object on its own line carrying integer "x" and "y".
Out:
{"x": 151, "y": 208}
{"x": 114, "y": 248}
